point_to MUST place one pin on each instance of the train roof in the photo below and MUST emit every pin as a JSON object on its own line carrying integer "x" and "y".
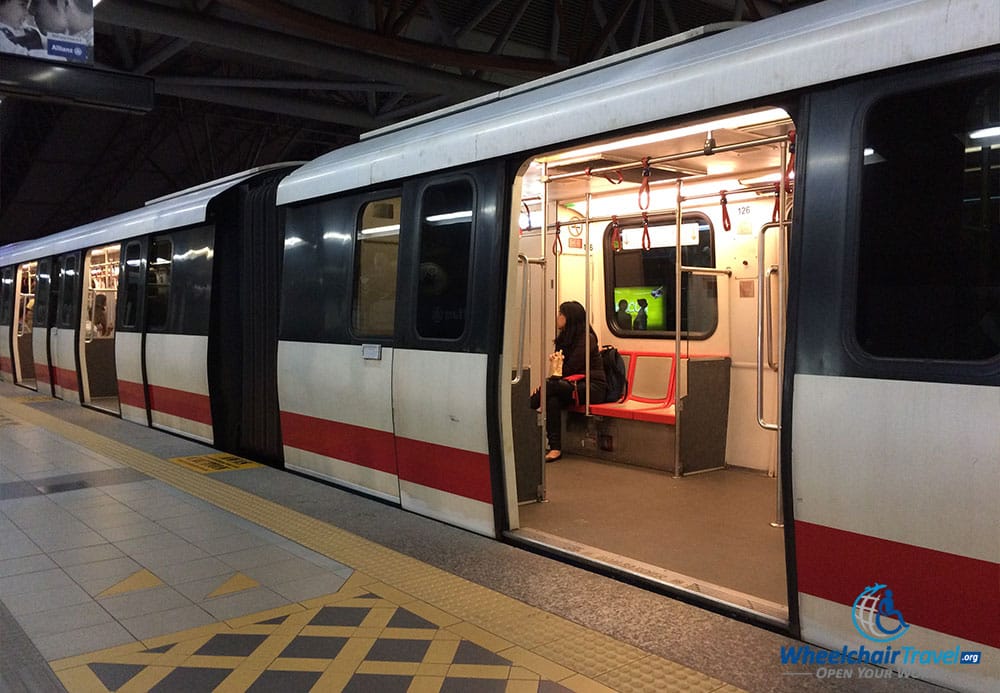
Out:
{"x": 169, "y": 212}
{"x": 832, "y": 40}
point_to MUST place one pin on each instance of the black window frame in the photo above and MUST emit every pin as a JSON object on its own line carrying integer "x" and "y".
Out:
{"x": 70, "y": 283}
{"x": 661, "y": 219}
{"x": 6, "y": 295}
{"x": 915, "y": 367}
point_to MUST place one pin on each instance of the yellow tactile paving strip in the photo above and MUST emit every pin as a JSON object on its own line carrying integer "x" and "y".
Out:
{"x": 538, "y": 644}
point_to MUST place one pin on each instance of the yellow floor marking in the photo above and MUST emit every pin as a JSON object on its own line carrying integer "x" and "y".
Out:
{"x": 141, "y": 580}
{"x": 216, "y": 462}
{"x": 237, "y": 583}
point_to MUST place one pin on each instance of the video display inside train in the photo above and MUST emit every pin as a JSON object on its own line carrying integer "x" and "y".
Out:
{"x": 60, "y": 30}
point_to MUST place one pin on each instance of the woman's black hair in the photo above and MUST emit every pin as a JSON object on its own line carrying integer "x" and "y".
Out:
{"x": 576, "y": 325}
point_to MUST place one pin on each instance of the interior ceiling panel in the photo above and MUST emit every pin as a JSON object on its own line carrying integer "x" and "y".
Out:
{"x": 243, "y": 83}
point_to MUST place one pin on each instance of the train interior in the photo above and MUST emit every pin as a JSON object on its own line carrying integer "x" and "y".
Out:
{"x": 678, "y": 483}
{"x": 23, "y": 342}
{"x": 99, "y": 380}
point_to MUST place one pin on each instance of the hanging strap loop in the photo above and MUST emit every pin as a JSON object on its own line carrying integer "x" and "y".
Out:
{"x": 646, "y": 242}
{"x": 644, "y": 186}
{"x": 726, "y": 223}
{"x": 557, "y": 248}
{"x": 616, "y": 234}
{"x": 607, "y": 176}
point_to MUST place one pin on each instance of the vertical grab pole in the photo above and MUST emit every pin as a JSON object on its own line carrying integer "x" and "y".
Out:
{"x": 542, "y": 361}
{"x": 586, "y": 298}
{"x": 677, "y": 330}
{"x": 779, "y": 515}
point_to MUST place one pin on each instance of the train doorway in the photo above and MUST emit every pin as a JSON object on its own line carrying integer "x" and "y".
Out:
{"x": 98, "y": 376}
{"x": 23, "y": 343}
{"x": 675, "y": 242}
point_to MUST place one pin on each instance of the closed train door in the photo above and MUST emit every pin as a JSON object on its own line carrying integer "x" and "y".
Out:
{"x": 673, "y": 239}
{"x": 46, "y": 292}
{"x": 63, "y": 335}
{"x": 336, "y": 343}
{"x": 175, "y": 350}
{"x": 129, "y": 325}
{"x": 98, "y": 378}
{"x": 383, "y": 363}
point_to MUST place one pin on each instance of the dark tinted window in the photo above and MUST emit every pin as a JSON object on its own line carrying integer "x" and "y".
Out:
{"x": 158, "y": 282}
{"x": 69, "y": 281}
{"x": 929, "y": 249}
{"x": 43, "y": 293}
{"x": 315, "y": 278}
{"x": 641, "y": 282}
{"x": 446, "y": 219}
{"x": 132, "y": 285}
{"x": 6, "y": 296}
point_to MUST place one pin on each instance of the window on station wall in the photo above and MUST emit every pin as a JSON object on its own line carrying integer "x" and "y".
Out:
{"x": 375, "y": 261}
{"x": 929, "y": 236}
{"x": 158, "y": 282}
{"x": 641, "y": 283}
{"x": 446, "y": 223}
{"x": 132, "y": 278}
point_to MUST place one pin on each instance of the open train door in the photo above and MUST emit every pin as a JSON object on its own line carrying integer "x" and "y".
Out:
{"x": 24, "y": 325}
{"x": 98, "y": 377}
{"x": 671, "y": 239}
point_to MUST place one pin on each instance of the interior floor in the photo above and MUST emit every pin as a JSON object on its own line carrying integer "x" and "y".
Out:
{"x": 710, "y": 533}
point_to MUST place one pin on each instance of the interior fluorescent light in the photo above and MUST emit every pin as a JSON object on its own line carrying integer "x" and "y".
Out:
{"x": 985, "y": 132}
{"x": 732, "y": 123}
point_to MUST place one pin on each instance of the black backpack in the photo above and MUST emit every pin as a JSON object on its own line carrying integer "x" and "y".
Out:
{"x": 615, "y": 374}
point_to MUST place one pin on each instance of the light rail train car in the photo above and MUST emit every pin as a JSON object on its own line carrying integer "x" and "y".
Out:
{"x": 133, "y": 314}
{"x": 791, "y": 233}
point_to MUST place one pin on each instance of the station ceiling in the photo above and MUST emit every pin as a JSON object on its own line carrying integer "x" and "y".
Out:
{"x": 243, "y": 83}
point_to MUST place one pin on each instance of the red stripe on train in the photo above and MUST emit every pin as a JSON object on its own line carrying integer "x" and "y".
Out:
{"x": 942, "y": 591}
{"x": 42, "y": 372}
{"x": 444, "y": 468}
{"x": 181, "y": 403}
{"x": 131, "y": 394}
{"x": 65, "y": 379}
{"x": 366, "y": 447}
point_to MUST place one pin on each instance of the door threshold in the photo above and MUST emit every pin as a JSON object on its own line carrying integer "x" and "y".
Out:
{"x": 716, "y": 597}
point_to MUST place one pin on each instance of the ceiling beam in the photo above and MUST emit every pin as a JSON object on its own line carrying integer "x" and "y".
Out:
{"x": 145, "y": 16}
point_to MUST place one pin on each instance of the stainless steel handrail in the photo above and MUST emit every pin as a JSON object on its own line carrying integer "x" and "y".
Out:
{"x": 762, "y": 277}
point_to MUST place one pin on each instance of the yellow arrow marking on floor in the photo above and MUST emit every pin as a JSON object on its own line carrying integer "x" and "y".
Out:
{"x": 236, "y": 583}
{"x": 142, "y": 580}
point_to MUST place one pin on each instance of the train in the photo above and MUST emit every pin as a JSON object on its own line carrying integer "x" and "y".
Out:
{"x": 789, "y": 230}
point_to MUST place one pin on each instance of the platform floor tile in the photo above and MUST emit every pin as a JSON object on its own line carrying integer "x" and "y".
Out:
{"x": 396, "y": 624}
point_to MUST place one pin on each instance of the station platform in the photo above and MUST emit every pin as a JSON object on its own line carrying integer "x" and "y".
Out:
{"x": 135, "y": 560}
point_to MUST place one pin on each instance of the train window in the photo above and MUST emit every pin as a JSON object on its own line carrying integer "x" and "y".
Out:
{"x": 446, "y": 218}
{"x": 6, "y": 296}
{"x": 640, "y": 281}
{"x": 376, "y": 253}
{"x": 158, "y": 282}
{"x": 43, "y": 293}
{"x": 133, "y": 282}
{"x": 929, "y": 241}
{"x": 68, "y": 278}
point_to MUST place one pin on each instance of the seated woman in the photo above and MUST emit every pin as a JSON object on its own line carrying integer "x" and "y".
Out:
{"x": 575, "y": 336}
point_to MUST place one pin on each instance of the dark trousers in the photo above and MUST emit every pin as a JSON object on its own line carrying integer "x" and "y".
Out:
{"x": 559, "y": 396}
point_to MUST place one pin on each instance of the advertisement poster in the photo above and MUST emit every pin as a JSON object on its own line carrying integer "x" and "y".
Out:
{"x": 60, "y": 30}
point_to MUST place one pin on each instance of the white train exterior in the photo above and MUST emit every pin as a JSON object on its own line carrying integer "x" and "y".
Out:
{"x": 393, "y": 303}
